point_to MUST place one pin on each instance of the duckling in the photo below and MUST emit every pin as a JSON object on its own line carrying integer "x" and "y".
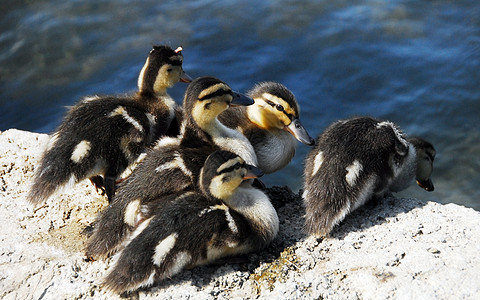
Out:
{"x": 103, "y": 135}
{"x": 356, "y": 160}
{"x": 197, "y": 228}
{"x": 271, "y": 124}
{"x": 174, "y": 164}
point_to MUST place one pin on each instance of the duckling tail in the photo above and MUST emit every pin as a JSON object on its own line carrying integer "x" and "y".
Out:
{"x": 52, "y": 175}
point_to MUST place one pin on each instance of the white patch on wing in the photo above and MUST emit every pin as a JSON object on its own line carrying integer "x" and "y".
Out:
{"x": 163, "y": 248}
{"x": 211, "y": 208}
{"x": 81, "y": 150}
{"x": 131, "y": 212}
{"x": 120, "y": 110}
{"x": 214, "y": 253}
{"x": 365, "y": 193}
{"x": 317, "y": 162}
{"x": 231, "y": 222}
{"x": 167, "y": 141}
{"x": 133, "y": 165}
{"x": 177, "y": 162}
{"x": 148, "y": 282}
{"x": 181, "y": 164}
{"x": 181, "y": 260}
{"x": 168, "y": 165}
{"x": 138, "y": 230}
{"x": 353, "y": 171}
{"x": 341, "y": 215}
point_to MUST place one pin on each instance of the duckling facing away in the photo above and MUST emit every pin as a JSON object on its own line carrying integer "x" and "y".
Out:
{"x": 103, "y": 135}
{"x": 196, "y": 228}
{"x": 356, "y": 160}
{"x": 270, "y": 124}
{"x": 174, "y": 164}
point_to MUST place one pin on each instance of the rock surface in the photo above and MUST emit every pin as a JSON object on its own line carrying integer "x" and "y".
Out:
{"x": 398, "y": 248}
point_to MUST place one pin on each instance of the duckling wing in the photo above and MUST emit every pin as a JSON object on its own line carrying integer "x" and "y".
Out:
{"x": 189, "y": 231}
{"x": 164, "y": 171}
{"x": 97, "y": 137}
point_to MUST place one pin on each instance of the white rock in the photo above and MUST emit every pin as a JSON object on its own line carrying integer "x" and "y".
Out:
{"x": 399, "y": 248}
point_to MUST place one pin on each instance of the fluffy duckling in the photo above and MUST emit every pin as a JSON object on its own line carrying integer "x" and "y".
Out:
{"x": 103, "y": 135}
{"x": 271, "y": 124}
{"x": 356, "y": 160}
{"x": 197, "y": 228}
{"x": 174, "y": 164}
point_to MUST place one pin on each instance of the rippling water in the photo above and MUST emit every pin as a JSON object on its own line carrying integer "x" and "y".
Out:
{"x": 414, "y": 62}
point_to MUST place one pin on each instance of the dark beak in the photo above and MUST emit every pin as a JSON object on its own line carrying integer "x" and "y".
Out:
{"x": 426, "y": 185}
{"x": 298, "y": 131}
{"x": 253, "y": 172}
{"x": 185, "y": 78}
{"x": 241, "y": 100}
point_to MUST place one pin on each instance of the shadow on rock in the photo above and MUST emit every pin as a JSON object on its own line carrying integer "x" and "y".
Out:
{"x": 290, "y": 212}
{"x": 373, "y": 213}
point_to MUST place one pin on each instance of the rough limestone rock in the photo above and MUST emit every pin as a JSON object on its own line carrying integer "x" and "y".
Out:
{"x": 398, "y": 248}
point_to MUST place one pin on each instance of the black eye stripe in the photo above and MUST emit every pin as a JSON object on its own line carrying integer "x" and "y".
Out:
{"x": 230, "y": 169}
{"x": 273, "y": 104}
{"x": 217, "y": 93}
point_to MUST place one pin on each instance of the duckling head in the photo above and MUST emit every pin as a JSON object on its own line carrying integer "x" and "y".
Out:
{"x": 206, "y": 97}
{"x": 425, "y": 156}
{"x": 223, "y": 172}
{"x": 276, "y": 107}
{"x": 162, "y": 70}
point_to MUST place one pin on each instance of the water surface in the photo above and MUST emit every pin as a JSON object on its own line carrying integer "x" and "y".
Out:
{"x": 413, "y": 62}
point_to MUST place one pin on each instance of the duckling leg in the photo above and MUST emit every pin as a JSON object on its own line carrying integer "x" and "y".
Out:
{"x": 109, "y": 187}
{"x": 97, "y": 181}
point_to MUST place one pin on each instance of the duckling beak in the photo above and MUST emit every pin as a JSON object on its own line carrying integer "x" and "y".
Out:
{"x": 185, "y": 78}
{"x": 298, "y": 131}
{"x": 252, "y": 172}
{"x": 426, "y": 185}
{"x": 241, "y": 100}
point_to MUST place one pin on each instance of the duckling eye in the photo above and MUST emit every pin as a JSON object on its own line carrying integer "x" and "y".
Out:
{"x": 237, "y": 166}
{"x": 279, "y": 107}
{"x": 169, "y": 70}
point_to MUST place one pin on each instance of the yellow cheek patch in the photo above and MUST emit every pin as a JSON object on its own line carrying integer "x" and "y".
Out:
{"x": 271, "y": 116}
{"x": 212, "y": 89}
{"x": 224, "y": 189}
{"x": 161, "y": 82}
{"x": 205, "y": 117}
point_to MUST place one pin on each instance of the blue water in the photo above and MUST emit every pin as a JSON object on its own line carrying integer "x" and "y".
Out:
{"x": 416, "y": 63}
